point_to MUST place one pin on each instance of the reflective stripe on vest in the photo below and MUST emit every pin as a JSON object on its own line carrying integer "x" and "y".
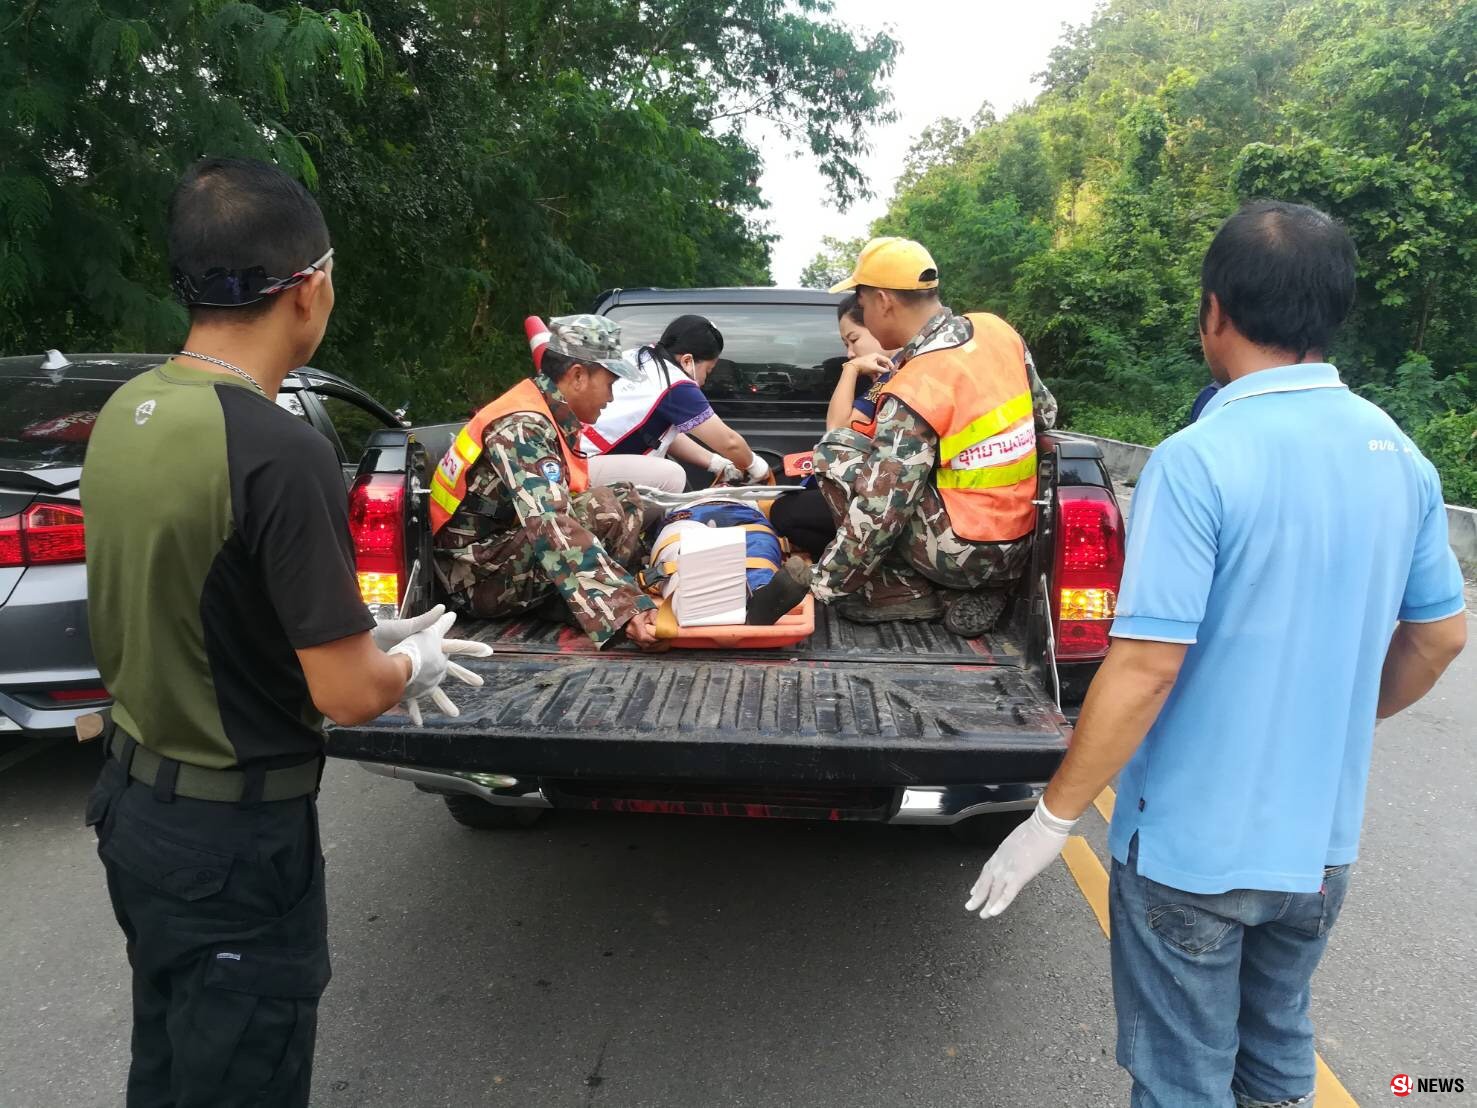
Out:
{"x": 449, "y": 479}
{"x": 977, "y": 398}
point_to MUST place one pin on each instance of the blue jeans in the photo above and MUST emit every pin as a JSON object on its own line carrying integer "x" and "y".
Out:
{"x": 1212, "y": 989}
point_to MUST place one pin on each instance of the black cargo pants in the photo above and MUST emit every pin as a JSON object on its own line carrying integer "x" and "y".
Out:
{"x": 222, "y": 906}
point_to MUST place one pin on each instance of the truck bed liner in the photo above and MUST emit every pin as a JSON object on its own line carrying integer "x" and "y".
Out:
{"x": 718, "y": 716}
{"x": 835, "y": 640}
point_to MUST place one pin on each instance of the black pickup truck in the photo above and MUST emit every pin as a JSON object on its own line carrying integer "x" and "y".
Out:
{"x": 901, "y": 723}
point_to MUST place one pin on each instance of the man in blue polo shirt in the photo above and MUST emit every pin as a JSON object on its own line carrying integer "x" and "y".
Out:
{"x": 1288, "y": 582}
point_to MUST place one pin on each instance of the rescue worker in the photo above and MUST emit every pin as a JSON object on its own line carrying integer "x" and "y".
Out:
{"x": 226, "y": 621}
{"x": 664, "y": 410}
{"x": 516, "y": 521}
{"x": 942, "y": 492}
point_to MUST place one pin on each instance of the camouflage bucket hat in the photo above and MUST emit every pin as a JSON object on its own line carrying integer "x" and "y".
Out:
{"x": 593, "y": 340}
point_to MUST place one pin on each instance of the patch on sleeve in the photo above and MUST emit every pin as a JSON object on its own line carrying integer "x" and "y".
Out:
{"x": 888, "y": 409}
{"x": 553, "y": 472}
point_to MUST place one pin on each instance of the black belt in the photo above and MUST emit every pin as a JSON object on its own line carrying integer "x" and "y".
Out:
{"x": 229, "y": 786}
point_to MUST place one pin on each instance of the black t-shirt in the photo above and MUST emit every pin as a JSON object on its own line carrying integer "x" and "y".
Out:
{"x": 217, "y": 545}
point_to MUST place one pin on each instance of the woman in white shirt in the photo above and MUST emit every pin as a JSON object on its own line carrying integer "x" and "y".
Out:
{"x": 666, "y": 412}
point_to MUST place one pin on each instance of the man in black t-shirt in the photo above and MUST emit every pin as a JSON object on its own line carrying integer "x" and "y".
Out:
{"x": 227, "y": 622}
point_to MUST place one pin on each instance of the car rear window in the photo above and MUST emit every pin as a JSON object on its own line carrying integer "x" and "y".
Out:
{"x": 42, "y": 421}
{"x": 773, "y": 352}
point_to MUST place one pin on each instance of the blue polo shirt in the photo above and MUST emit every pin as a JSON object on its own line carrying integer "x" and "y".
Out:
{"x": 1283, "y": 534}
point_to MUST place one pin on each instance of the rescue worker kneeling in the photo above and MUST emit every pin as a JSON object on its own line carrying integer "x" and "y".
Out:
{"x": 515, "y": 520}
{"x": 942, "y": 493}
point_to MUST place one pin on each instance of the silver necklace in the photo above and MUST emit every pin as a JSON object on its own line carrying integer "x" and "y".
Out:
{"x": 236, "y": 369}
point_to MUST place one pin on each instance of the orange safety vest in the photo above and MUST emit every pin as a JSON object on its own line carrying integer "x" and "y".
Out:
{"x": 977, "y": 399}
{"x": 449, "y": 481}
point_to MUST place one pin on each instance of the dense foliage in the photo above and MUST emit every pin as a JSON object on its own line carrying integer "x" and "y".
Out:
{"x": 476, "y": 161}
{"x": 1083, "y": 216}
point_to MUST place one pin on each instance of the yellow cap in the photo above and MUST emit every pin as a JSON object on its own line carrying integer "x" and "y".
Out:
{"x": 893, "y": 263}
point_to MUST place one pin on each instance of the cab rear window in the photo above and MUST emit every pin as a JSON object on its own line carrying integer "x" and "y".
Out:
{"x": 49, "y": 422}
{"x": 773, "y": 352}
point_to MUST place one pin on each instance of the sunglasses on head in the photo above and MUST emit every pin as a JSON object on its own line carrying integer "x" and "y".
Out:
{"x": 235, "y": 288}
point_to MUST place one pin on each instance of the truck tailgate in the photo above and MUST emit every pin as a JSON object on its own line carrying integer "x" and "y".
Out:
{"x": 892, "y": 705}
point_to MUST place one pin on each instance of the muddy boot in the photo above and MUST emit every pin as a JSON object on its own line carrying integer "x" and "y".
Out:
{"x": 772, "y": 602}
{"x": 971, "y": 614}
{"x": 892, "y": 601}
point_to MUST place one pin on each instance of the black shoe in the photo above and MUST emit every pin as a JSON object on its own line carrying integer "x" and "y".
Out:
{"x": 770, "y": 603}
{"x": 971, "y": 614}
{"x": 859, "y": 609}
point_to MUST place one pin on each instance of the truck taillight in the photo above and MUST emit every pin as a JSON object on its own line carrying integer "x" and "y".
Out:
{"x": 377, "y": 524}
{"x": 1089, "y": 566}
{"x": 43, "y": 534}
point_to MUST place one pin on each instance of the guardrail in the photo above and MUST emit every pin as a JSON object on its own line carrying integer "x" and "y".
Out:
{"x": 1125, "y": 461}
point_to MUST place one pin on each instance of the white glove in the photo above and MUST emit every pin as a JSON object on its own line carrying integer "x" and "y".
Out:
{"x": 1026, "y": 851}
{"x": 428, "y": 651}
{"x": 717, "y": 464}
{"x": 758, "y": 470}
{"x": 391, "y": 632}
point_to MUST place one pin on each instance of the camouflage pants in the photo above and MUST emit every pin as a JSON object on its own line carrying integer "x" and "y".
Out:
{"x": 503, "y": 575}
{"x": 927, "y": 550}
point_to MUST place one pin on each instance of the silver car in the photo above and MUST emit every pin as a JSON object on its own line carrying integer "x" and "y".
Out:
{"x": 47, "y": 407}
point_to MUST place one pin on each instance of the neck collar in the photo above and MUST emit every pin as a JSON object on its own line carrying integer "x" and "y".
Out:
{"x": 1287, "y": 378}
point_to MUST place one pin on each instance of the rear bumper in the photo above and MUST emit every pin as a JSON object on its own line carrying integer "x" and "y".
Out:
{"x": 918, "y": 806}
{"x": 44, "y": 645}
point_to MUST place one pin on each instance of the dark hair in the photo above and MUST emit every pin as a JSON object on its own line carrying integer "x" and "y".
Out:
{"x": 1283, "y": 274}
{"x": 235, "y": 214}
{"x": 555, "y": 366}
{"x": 691, "y": 334}
{"x": 850, "y": 308}
{"x": 908, "y": 296}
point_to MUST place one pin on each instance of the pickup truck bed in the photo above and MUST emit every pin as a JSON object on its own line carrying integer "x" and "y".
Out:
{"x": 891, "y": 705}
{"x": 904, "y": 723}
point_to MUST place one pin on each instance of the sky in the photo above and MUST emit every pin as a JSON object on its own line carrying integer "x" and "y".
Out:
{"x": 956, "y": 55}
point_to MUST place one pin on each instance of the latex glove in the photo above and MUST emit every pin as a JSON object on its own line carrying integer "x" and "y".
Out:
{"x": 429, "y": 651}
{"x": 1026, "y": 851}
{"x": 730, "y": 476}
{"x": 391, "y": 632}
{"x": 758, "y": 470}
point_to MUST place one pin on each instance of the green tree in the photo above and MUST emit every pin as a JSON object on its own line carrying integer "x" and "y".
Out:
{"x": 1085, "y": 214}
{"x": 476, "y": 162}
{"x": 832, "y": 264}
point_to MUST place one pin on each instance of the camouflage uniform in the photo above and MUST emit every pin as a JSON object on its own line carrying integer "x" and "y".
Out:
{"x": 895, "y": 536}
{"x": 519, "y": 538}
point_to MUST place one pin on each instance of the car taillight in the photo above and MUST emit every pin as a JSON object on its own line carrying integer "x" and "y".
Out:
{"x": 377, "y": 524}
{"x": 1089, "y": 566}
{"x": 78, "y": 696}
{"x": 43, "y": 534}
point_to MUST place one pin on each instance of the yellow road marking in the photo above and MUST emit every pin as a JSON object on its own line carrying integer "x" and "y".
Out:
{"x": 1090, "y": 876}
{"x": 1092, "y": 879}
{"x": 1330, "y": 1091}
{"x": 1104, "y": 803}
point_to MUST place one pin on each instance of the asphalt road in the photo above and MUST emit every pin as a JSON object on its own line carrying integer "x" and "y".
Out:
{"x": 610, "y": 961}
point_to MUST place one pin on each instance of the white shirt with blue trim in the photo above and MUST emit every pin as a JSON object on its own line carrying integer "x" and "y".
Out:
{"x": 1282, "y": 536}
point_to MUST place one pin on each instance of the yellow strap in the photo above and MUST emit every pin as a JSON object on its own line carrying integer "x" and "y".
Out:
{"x": 993, "y": 478}
{"x": 991, "y": 423}
{"x": 667, "y": 626}
{"x": 446, "y": 501}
